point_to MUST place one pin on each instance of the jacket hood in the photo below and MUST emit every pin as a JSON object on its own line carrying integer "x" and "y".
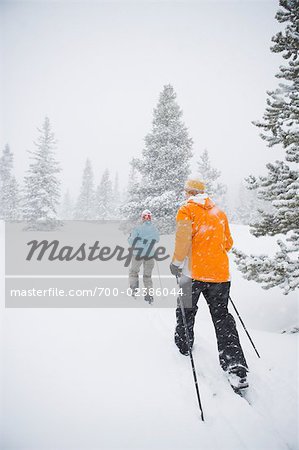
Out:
{"x": 202, "y": 200}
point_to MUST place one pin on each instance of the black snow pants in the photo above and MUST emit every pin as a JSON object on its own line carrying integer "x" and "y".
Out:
{"x": 216, "y": 295}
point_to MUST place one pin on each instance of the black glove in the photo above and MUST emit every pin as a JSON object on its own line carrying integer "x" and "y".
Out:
{"x": 175, "y": 270}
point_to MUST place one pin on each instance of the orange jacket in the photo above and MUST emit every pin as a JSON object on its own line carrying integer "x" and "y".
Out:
{"x": 202, "y": 241}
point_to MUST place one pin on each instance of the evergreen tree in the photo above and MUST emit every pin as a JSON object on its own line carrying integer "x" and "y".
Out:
{"x": 210, "y": 175}
{"x": 280, "y": 187}
{"x": 42, "y": 187}
{"x": 6, "y": 163}
{"x": 116, "y": 199}
{"x": 131, "y": 203}
{"x": 247, "y": 210}
{"x": 116, "y": 193}
{"x": 9, "y": 192}
{"x": 104, "y": 198}
{"x": 164, "y": 165}
{"x": 67, "y": 207}
{"x": 133, "y": 179}
{"x": 85, "y": 206}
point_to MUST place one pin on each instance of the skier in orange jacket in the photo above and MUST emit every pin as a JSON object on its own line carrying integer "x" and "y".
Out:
{"x": 200, "y": 259}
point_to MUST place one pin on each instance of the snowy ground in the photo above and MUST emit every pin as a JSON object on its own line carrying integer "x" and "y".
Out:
{"x": 113, "y": 379}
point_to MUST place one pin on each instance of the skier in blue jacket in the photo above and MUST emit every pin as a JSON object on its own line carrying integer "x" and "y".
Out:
{"x": 142, "y": 238}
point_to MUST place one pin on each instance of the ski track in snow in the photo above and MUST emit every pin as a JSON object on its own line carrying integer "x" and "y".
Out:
{"x": 259, "y": 413}
{"x": 113, "y": 379}
{"x": 70, "y": 378}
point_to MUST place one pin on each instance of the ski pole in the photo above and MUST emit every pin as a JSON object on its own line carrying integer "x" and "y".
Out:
{"x": 190, "y": 353}
{"x": 159, "y": 275}
{"x": 243, "y": 324}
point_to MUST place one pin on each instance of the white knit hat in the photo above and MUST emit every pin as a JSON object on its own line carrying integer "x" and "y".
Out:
{"x": 146, "y": 215}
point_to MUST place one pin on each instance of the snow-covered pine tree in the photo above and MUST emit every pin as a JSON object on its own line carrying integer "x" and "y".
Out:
{"x": 6, "y": 163}
{"x": 104, "y": 198}
{"x": 116, "y": 199}
{"x": 116, "y": 187}
{"x": 133, "y": 181}
{"x": 164, "y": 165}
{"x": 85, "y": 205}
{"x": 280, "y": 187}
{"x": 9, "y": 192}
{"x": 133, "y": 191}
{"x": 41, "y": 185}
{"x": 67, "y": 207}
{"x": 248, "y": 205}
{"x": 210, "y": 176}
{"x": 132, "y": 199}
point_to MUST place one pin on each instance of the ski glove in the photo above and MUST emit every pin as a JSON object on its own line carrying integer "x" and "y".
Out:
{"x": 175, "y": 270}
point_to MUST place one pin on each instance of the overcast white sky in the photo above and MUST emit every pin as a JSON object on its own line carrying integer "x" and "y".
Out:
{"x": 96, "y": 69}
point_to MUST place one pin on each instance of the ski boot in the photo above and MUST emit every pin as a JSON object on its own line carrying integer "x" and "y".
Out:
{"x": 134, "y": 290}
{"x": 182, "y": 343}
{"x": 237, "y": 377}
{"x": 149, "y": 298}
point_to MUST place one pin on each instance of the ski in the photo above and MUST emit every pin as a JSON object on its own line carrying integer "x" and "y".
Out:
{"x": 242, "y": 392}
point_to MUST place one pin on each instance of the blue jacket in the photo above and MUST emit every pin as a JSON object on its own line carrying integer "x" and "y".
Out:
{"x": 146, "y": 231}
